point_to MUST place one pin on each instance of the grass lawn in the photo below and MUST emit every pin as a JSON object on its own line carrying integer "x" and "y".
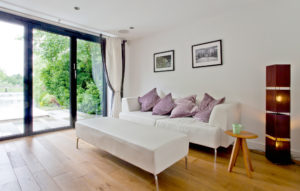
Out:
{"x": 11, "y": 89}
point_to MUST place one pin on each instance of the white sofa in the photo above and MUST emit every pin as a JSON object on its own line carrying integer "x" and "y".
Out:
{"x": 209, "y": 134}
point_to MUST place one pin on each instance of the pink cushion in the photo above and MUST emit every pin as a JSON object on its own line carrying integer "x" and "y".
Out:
{"x": 185, "y": 107}
{"x": 164, "y": 106}
{"x": 206, "y": 106}
{"x": 149, "y": 100}
{"x": 205, "y": 101}
{"x": 191, "y": 98}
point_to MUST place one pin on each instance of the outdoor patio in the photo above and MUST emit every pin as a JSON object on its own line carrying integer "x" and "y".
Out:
{"x": 12, "y": 114}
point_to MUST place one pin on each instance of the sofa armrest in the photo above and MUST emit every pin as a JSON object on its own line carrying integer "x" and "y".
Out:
{"x": 224, "y": 115}
{"x": 130, "y": 104}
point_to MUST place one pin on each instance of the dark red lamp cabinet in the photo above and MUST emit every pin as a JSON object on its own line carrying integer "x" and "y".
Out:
{"x": 278, "y": 113}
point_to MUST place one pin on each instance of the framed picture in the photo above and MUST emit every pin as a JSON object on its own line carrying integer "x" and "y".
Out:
{"x": 207, "y": 54}
{"x": 164, "y": 61}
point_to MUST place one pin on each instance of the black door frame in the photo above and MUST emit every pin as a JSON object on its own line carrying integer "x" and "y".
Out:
{"x": 73, "y": 80}
{"x": 29, "y": 25}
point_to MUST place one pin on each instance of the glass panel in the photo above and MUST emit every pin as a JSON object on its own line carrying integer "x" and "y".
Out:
{"x": 51, "y": 95}
{"x": 11, "y": 79}
{"x": 89, "y": 79}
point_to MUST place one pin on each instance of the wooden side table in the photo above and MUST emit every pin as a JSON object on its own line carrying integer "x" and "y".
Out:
{"x": 240, "y": 142}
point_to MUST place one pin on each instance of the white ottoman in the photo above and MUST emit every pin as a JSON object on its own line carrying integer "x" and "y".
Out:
{"x": 149, "y": 148}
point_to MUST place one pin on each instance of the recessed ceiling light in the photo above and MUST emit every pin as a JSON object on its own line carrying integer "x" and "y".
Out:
{"x": 131, "y": 27}
{"x": 123, "y": 31}
{"x": 77, "y": 8}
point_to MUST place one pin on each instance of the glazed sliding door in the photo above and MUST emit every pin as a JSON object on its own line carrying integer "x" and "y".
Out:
{"x": 47, "y": 72}
{"x": 51, "y": 80}
{"x": 90, "y": 81}
{"x": 11, "y": 79}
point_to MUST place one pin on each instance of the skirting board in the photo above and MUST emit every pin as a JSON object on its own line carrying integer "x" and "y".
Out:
{"x": 261, "y": 147}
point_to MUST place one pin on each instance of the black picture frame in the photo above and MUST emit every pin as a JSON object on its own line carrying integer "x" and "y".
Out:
{"x": 208, "y": 46}
{"x": 170, "y": 53}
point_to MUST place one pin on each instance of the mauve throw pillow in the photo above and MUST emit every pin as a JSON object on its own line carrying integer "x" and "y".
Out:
{"x": 149, "y": 100}
{"x": 205, "y": 101}
{"x": 191, "y": 98}
{"x": 185, "y": 107}
{"x": 164, "y": 106}
{"x": 209, "y": 103}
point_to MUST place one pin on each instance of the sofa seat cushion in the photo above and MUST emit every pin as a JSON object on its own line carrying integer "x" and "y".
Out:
{"x": 198, "y": 132}
{"x": 144, "y": 118}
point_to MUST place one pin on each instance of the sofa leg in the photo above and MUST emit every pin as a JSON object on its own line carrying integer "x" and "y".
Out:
{"x": 77, "y": 141}
{"x": 156, "y": 182}
{"x": 216, "y": 152}
{"x": 186, "y": 162}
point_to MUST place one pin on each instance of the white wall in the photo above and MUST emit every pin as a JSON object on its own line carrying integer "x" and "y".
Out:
{"x": 252, "y": 39}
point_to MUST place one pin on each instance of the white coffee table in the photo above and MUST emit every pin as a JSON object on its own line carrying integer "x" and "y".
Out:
{"x": 149, "y": 148}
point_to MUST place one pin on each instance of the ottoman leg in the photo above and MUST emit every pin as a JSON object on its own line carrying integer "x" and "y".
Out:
{"x": 156, "y": 182}
{"x": 77, "y": 141}
{"x": 216, "y": 153}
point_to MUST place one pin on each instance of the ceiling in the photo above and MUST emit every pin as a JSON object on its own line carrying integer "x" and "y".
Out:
{"x": 110, "y": 16}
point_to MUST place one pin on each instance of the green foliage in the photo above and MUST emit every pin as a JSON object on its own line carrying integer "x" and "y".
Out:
{"x": 48, "y": 100}
{"x": 15, "y": 79}
{"x": 51, "y": 73}
{"x": 89, "y": 101}
{"x": 13, "y": 83}
{"x": 2, "y": 75}
{"x": 12, "y": 80}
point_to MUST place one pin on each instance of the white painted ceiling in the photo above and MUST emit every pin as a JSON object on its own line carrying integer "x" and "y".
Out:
{"x": 110, "y": 16}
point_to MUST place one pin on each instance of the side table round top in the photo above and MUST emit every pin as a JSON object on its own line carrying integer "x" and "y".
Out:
{"x": 243, "y": 134}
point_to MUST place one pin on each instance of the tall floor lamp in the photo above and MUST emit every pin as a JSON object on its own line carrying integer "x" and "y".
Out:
{"x": 278, "y": 79}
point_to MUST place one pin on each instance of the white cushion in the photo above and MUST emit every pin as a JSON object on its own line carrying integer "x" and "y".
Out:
{"x": 144, "y": 118}
{"x": 198, "y": 132}
{"x": 130, "y": 104}
{"x": 149, "y": 148}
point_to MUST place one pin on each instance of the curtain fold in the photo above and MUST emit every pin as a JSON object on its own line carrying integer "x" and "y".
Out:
{"x": 123, "y": 67}
{"x": 115, "y": 72}
{"x": 97, "y": 69}
{"x": 103, "y": 53}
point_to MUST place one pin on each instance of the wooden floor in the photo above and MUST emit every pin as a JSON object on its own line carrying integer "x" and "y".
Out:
{"x": 51, "y": 162}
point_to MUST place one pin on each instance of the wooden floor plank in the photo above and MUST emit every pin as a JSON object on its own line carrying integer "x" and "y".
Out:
{"x": 86, "y": 152}
{"x": 69, "y": 181}
{"x": 10, "y": 186}
{"x": 51, "y": 162}
{"x": 45, "y": 181}
{"x": 31, "y": 161}
{"x": 99, "y": 180}
{"x": 26, "y": 180}
{"x": 8, "y": 179}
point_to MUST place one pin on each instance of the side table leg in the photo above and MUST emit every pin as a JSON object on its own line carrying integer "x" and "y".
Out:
{"x": 238, "y": 151}
{"x": 249, "y": 158}
{"x": 234, "y": 153}
{"x": 246, "y": 157}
